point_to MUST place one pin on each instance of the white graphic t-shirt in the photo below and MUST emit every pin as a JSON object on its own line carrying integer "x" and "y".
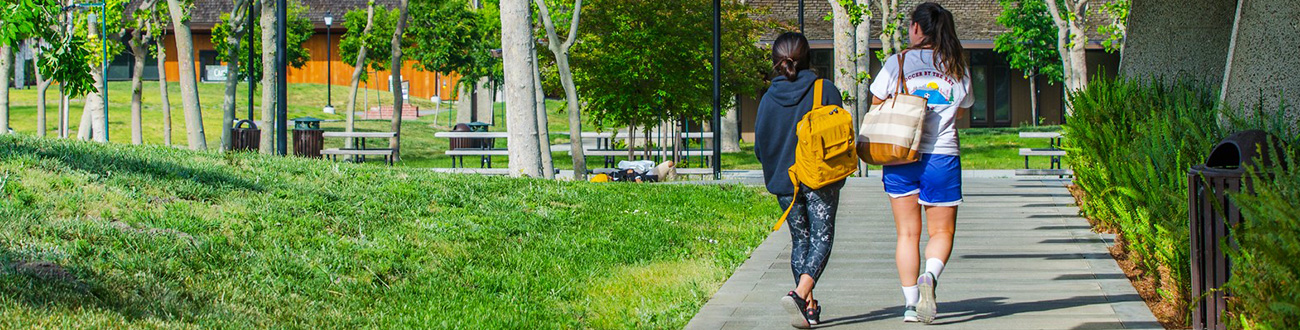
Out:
{"x": 945, "y": 95}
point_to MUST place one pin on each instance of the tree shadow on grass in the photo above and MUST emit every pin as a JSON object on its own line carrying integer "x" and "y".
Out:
{"x": 117, "y": 160}
{"x": 47, "y": 286}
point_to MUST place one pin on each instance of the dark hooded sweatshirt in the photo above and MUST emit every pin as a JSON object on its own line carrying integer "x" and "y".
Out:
{"x": 784, "y": 104}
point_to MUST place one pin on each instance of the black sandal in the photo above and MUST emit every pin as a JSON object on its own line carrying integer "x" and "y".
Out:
{"x": 814, "y": 314}
{"x": 795, "y": 306}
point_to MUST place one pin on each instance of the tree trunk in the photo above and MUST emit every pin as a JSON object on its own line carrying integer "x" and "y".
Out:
{"x": 6, "y": 64}
{"x": 730, "y": 131}
{"x": 162, "y": 94}
{"x": 137, "y": 44}
{"x": 543, "y": 129}
{"x": 396, "y": 84}
{"x": 189, "y": 83}
{"x": 845, "y": 69}
{"x": 268, "y": 78}
{"x": 1070, "y": 39}
{"x": 232, "y": 72}
{"x": 42, "y": 86}
{"x": 92, "y": 113}
{"x": 890, "y": 41}
{"x": 1033, "y": 96}
{"x": 561, "y": 51}
{"x": 357, "y": 71}
{"x": 862, "y": 64}
{"x": 521, "y": 102}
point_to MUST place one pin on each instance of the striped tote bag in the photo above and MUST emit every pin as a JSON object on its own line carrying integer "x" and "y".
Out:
{"x": 891, "y": 131}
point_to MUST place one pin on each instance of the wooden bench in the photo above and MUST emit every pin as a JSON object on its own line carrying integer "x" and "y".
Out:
{"x": 359, "y": 146}
{"x": 1053, "y": 151}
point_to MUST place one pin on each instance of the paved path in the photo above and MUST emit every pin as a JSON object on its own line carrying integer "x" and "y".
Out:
{"x": 1023, "y": 260}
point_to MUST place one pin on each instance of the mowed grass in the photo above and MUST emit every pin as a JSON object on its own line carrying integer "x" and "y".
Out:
{"x": 116, "y": 236}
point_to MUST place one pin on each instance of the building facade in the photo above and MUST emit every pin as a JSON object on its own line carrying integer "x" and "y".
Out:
{"x": 321, "y": 69}
{"x": 1002, "y": 94}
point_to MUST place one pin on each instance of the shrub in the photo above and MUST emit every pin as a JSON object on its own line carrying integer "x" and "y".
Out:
{"x": 1265, "y": 271}
{"x": 1130, "y": 144}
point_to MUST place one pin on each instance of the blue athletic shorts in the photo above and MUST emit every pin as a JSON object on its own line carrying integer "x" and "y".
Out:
{"x": 937, "y": 178}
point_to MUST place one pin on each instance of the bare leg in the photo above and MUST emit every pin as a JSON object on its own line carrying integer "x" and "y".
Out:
{"x": 941, "y": 222}
{"x": 907, "y": 219}
{"x": 806, "y": 284}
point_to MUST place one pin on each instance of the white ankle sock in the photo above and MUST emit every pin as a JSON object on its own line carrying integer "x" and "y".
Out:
{"x": 911, "y": 294}
{"x": 934, "y": 266}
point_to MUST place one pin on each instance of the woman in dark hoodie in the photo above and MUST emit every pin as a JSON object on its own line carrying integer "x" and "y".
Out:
{"x": 812, "y": 219}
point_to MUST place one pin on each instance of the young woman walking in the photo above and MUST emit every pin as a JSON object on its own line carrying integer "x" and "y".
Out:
{"x": 935, "y": 68}
{"x": 812, "y": 218}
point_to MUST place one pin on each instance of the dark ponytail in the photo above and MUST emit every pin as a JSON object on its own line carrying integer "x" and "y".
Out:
{"x": 789, "y": 55}
{"x": 940, "y": 31}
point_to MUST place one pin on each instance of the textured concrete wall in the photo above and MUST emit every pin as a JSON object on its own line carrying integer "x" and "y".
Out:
{"x": 1178, "y": 38}
{"x": 1265, "y": 63}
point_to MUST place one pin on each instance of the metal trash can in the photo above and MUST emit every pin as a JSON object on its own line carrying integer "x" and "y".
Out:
{"x": 482, "y": 127}
{"x": 245, "y": 139}
{"x": 308, "y": 138}
{"x": 1212, "y": 215}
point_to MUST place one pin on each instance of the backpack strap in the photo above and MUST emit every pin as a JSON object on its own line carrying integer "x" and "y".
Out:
{"x": 817, "y": 94}
{"x": 791, "y": 207}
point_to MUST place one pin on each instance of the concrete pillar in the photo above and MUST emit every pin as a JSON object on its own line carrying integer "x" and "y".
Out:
{"x": 1263, "y": 65}
{"x": 1178, "y": 39}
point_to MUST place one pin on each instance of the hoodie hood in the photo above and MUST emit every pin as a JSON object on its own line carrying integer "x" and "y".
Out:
{"x": 790, "y": 93}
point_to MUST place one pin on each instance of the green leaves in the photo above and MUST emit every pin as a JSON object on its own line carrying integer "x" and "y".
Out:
{"x": 1030, "y": 42}
{"x": 299, "y": 27}
{"x": 641, "y": 61}
{"x": 378, "y": 43}
{"x": 453, "y": 37}
{"x": 1114, "y": 33}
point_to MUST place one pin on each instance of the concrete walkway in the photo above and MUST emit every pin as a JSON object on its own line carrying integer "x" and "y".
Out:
{"x": 1023, "y": 260}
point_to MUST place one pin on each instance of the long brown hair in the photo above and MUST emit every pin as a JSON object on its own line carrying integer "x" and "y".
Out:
{"x": 940, "y": 32}
{"x": 790, "y": 55}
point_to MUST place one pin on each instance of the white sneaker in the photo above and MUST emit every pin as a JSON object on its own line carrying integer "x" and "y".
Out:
{"x": 909, "y": 314}
{"x": 926, "y": 309}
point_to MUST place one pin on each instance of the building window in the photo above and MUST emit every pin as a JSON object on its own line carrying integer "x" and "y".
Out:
{"x": 991, "y": 88}
{"x": 822, "y": 61}
{"x": 210, "y": 69}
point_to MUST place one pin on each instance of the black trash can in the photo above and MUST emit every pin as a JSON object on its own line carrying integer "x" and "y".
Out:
{"x": 245, "y": 138}
{"x": 1212, "y": 215}
{"x": 308, "y": 138}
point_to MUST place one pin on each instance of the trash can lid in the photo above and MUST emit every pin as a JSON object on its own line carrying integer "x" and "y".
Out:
{"x": 1242, "y": 149}
{"x": 307, "y": 123}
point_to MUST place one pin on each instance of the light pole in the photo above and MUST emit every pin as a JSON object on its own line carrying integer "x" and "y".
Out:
{"x": 329, "y": 63}
{"x": 281, "y": 82}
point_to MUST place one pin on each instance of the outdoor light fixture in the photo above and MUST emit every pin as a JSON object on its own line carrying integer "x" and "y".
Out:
{"x": 329, "y": 63}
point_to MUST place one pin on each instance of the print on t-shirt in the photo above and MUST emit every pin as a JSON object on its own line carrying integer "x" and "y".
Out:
{"x": 944, "y": 96}
{"x": 934, "y": 86}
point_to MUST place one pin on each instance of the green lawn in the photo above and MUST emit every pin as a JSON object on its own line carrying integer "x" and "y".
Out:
{"x": 981, "y": 148}
{"x": 116, "y": 236}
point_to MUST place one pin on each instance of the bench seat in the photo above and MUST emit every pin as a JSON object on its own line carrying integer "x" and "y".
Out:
{"x": 1042, "y": 152}
{"x": 358, "y": 152}
{"x": 1044, "y": 172}
{"x": 478, "y": 152}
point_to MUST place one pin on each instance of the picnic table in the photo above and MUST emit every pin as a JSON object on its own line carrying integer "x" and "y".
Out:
{"x": 484, "y": 151}
{"x": 1053, "y": 151}
{"x": 360, "y": 150}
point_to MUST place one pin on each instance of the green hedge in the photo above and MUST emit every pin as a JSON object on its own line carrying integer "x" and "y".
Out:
{"x": 1131, "y": 143}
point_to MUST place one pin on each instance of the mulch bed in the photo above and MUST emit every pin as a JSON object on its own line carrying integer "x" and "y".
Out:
{"x": 1169, "y": 313}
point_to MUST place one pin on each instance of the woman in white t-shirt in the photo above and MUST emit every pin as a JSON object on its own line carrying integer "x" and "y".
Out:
{"x": 935, "y": 67}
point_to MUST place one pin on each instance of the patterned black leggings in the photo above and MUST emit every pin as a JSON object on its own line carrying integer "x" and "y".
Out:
{"x": 812, "y": 228}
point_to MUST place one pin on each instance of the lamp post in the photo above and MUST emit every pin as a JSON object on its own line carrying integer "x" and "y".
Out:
{"x": 281, "y": 82}
{"x": 329, "y": 63}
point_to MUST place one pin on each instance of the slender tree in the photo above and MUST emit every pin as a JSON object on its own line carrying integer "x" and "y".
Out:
{"x": 180, "y": 17}
{"x": 1070, "y": 40}
{"x": 1029, "y": 44}
{"x": 234, "y": 34}
{"x": 396, "y": 84}
{"x": 160, "y": 17}
{"x": 560, "y": 49}
{"x": 848, "y": 20}
{"x": 268, "y": 78}
{"x": 892, "y": 27}
{"x": 43, "y": 83}
{"x": 6, "y": 64}
{"x": 92, "y": 118}
{"x": 361, "y": 43}
{"x": 543, "y": 131}
{"x": 139, "y": 47}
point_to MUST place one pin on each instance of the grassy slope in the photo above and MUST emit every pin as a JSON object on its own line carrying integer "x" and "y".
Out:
{"x": 158, "y": 237}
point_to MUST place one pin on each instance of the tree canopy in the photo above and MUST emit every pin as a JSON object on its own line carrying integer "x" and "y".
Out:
{"x": 454, "y": 37}
{"x": 299, "y": 27}
{"x": 379, "y": 43}
{"x": 1030, "y": 41}
{"x": 642, "y": 61}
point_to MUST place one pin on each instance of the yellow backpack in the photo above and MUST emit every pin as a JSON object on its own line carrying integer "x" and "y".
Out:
{"x": 826, "y": 152}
